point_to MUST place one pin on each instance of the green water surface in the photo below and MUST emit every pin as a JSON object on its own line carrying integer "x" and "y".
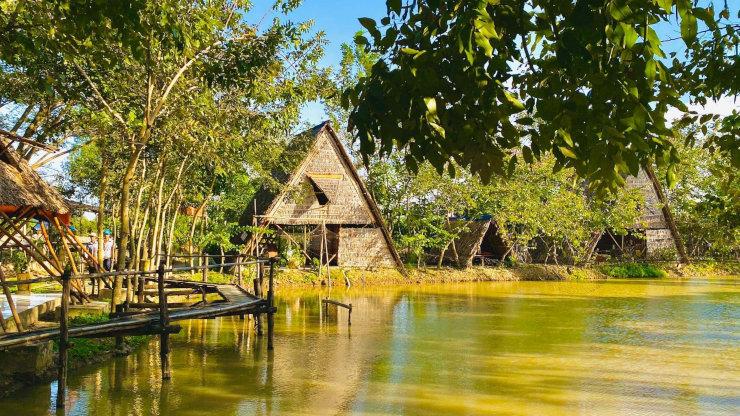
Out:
{"x": 639, "y": 347}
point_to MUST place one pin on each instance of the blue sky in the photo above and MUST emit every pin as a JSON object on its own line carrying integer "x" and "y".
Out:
{"x": 336, "y": 18}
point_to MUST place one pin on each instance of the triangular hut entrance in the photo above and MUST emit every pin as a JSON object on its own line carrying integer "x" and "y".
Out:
{"x": 26, "y": 197}
{"x": 476, "y": 239}
{"x": 322, "y": 206}
{"x": 652, "y": 223}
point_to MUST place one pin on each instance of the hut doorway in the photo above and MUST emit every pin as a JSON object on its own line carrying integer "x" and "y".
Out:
{"x": 493, "y": 245}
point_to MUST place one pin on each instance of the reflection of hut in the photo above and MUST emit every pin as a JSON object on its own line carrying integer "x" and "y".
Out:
{"x": 476, "y": 239}
{"x": 25, "y": 198}
{"x": 322, "y": 206}
{"x": 650, "y": 235}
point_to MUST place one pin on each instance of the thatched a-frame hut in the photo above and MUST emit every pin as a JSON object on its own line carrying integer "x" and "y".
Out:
{"x": 651, "y": 234}
{"x": 322, "y": 206}
{"x": 476, "y": 239}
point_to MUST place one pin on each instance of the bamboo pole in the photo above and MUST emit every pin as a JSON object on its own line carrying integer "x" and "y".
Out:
{"x": 63, "y": 340}
{"x": 31, "y": 250}
{"x": 47, "y": 241}
{"x": 65, "y": 244}
{"x": 164, "y": 337}
{"x": 11, "y": 304}
{"x": 79, "y": 287}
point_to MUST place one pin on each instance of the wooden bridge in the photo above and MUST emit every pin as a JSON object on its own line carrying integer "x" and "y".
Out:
{"x": 139, "y": 318}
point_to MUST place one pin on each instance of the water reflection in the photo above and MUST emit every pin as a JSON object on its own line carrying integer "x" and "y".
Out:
{"x": 602, "y": 348}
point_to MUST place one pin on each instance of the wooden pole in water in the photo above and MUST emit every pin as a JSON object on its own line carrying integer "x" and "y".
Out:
{"x": 164, "y": 337}
{"x": 204, "y": 263}
{"x": 270, "y": 301}
{"x": 257, "y": 316}
{"x": 239, "y": 269}
{"x": 11, "y": 304}
{"x": 63, "y": 340}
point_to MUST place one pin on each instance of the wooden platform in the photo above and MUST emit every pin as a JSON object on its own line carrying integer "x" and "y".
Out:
{"x": 235, "y": 300}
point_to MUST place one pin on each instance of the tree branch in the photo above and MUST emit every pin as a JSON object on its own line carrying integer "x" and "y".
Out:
{"x": 99, "y": 96}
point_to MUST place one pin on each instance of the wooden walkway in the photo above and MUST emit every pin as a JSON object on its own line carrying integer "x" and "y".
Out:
{"x": 149, "y": 317}
{"x": 236, "y": 301}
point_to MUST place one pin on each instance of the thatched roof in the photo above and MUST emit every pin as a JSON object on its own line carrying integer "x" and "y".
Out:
{"x": 651, "y": 217}
{"x": 21, "y": 186}
{"x": 291, "y": 160}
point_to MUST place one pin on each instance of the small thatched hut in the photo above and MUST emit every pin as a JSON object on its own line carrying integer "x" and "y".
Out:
{"x": 322, "y": 206}
{"x": 651, "y": 235}
{"x": 476, "y": 239}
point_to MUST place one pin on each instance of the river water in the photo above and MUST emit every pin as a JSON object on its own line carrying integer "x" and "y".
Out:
{"x": 638, "y": 347}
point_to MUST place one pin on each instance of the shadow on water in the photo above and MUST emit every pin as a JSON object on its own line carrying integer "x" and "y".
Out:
{"x": 511, "y": 348}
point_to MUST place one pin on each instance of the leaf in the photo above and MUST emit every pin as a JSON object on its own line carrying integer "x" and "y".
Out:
{"x": 688, "y": 27}
{"x": 368, "y": 23}
{"x": 431, "y": 104}
{"x": 650, "y": 69}
{"x": 514, "y": 101}
{"x": 630, "y": 35}
{"x": 619, "y": 12}
{"x": 567, "y": 152}
{"x": 666, "y": 5}
{"x": 566, "y": 136}
{"x": 409, "y": 51}
{"x": 438, "y": 128}
{"x": 394, "y": 6}
{"x": 527, "y": 153}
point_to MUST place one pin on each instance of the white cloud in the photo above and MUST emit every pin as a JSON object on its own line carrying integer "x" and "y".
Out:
{"x": 723, "y": 107}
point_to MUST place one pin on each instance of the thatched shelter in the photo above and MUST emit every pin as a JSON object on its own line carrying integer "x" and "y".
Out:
{"x": 651, "y": 234}
{"x": 26, "y": 197}
{"x": 22, "y": 188}
{"x": 321, "y": 205}
{"x": 477, "y": 239}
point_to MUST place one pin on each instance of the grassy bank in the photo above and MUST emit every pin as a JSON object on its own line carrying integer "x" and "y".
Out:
{"x": 355, "y": 277}
{"x": 291, "y": 277}
{"x": 85, "y": 351}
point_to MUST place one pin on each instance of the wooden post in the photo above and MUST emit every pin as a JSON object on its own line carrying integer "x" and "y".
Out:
{"x": 257, "y": 316}
{"x": 321, "y": 251}
{"x": 63, "y": 340}
{"x": 140, "y": 291}
{"x": 239, "y": 269}
{"x": 11, "y": 304}
{"x": 164, "y": 337}
{"x": 328, "y": 260}
{"x": 204, "y": 263}
{"x": 349, "y": 318}
{"x": 270, "y": 302}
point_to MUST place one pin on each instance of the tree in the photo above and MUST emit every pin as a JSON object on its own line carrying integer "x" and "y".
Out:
{"x": 469, "y": 82}
{"x": 172, "y": 91}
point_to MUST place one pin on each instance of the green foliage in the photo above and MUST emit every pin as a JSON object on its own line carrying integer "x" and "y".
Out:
{"x": 636, "y": 270}
{"x": 706, "y": 200}
{"x": 587, "y": 81}
{"x": 17, "y": 258}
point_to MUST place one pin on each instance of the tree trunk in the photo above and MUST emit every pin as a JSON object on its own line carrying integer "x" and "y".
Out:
{"x": 101, "y": 209}
{"x": 680, "y": 248}
{"x": 123, "y": 215}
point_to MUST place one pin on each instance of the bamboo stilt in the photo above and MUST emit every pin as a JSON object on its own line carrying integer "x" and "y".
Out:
{"x": 63, "y": 340}
{"x": 11, "y": 304}
{"x": 270, "y": 301}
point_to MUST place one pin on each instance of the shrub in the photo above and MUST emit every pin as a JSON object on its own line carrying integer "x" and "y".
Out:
{"x": 633, "y": 270}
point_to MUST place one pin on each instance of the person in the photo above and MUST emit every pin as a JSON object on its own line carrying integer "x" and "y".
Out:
{"x": 92, "y": 247}
{"x": 108, "y": 247}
